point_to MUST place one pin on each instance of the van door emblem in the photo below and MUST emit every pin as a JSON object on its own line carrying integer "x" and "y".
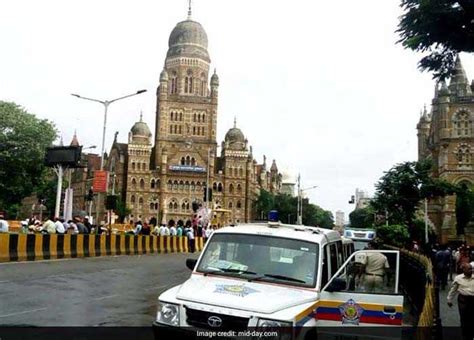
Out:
{"x": 214, "y": 321}
{"x": 351, "y": 312}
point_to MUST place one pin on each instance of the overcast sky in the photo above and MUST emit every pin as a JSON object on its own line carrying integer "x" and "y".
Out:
{"x": 320, "y": 86}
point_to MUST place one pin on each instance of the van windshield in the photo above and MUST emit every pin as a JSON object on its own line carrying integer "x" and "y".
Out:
{"x": 262, "y": 258}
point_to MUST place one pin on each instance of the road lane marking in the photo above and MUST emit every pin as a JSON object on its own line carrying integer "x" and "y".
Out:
{"x": 4, "y": 281}
{"x": 105, "y": 297}
{"x": 24, "y": 312}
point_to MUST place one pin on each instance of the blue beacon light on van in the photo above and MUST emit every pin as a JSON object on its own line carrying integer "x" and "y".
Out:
{"x": 273, "y": 216}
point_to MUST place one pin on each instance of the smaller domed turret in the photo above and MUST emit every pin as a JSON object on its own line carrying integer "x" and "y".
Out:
{"x": 215, "y": 79}
{"x": 163, "y": 76}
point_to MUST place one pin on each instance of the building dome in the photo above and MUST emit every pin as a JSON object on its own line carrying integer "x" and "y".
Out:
{"x": 141, "y": 129}
{"x": 164, "y": 76}
{"x": 215, "y": 79}
{"x": 188, "y": 39}
{"x": 234, "y": 135}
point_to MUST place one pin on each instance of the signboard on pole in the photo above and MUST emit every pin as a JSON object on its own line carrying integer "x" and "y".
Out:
{"x": 100, "y": 181}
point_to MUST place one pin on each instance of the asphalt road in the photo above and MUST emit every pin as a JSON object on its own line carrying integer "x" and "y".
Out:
{"x": 104, "y": 291}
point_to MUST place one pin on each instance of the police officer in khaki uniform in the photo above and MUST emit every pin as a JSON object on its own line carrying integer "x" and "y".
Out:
{"x": 374, "y": 266}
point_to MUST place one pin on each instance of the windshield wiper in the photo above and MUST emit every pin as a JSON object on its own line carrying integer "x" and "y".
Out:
{"x": 230, "y": 270}
{"x": 280, "y": 277}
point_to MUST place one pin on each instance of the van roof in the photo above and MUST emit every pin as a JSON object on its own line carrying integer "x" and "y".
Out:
{"x": 300, "y": 232}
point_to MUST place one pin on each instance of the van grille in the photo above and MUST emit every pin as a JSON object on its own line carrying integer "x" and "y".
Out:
{"x": 199, "y": 319}
{"x": 361, "y": 235}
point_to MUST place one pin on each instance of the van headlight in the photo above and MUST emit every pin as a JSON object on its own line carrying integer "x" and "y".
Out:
{"x": 168, "y": 314}
{"x": 283, "y": 329}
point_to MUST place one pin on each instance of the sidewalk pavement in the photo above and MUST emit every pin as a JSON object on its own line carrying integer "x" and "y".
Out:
{"x": 449, "y": 316}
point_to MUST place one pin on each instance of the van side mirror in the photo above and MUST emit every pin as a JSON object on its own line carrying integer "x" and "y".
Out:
{"x": 337, "y": 284}
{"x": 191, "y": 263}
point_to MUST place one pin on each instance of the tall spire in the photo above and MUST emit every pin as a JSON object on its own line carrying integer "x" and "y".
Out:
{"x": 141, "y": 115}
{"x": 189, "y": 9}
{"x": 235, "y": 122}
{"x": 459, "y": 85}
{"x": 74, "y": 141}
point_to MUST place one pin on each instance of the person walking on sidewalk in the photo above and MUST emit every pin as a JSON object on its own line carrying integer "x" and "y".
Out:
{"x": 463, "y": 284}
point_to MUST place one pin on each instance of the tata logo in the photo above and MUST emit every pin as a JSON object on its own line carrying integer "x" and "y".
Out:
{"x": 214, "y": 321}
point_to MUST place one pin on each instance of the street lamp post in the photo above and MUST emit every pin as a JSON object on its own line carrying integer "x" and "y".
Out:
{"x": 106, "y": 104}
{"x": 299, "y": 212}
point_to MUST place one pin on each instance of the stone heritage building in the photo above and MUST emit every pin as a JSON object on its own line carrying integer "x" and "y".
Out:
{"x": 446, "y": 136}
{"x": 161, "y": 177}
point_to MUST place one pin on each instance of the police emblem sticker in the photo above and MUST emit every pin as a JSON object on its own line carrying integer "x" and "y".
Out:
{"x": 351, "y": 312}
{"x": 236, "y": 290}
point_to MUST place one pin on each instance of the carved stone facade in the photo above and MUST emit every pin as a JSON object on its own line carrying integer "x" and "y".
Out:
{"x": 163, "y": 179}
{"x": 446, "y": 136}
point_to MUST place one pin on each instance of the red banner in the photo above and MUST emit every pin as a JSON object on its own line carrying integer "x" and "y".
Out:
{"x": 100, "y": 181}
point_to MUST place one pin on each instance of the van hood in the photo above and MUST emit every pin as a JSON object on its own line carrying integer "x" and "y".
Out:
{"x": 257, "y": 297}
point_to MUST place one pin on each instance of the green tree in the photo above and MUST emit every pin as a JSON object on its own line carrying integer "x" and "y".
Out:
{"x": 122, "y": 210}
{"x": 362, "y": 218}
{"x": 441, "y": 28}
{"x": 396, "y": 235}
{"x": 264, "y": 204}
{"x": 464, "y": 208}
{"x": 401, "y": 189}
{"x": 23, "y": 142}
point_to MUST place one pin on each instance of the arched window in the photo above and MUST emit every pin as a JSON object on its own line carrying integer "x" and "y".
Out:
{"x": 134, "y": 183}
{"x": 198, "y": 186}
{"x": 175, "y": 206}
{"x": 188, "y": 160}
{"x": 157, "y": 183}
{"x": 239, "y": 205}
{"x": 174, "y": 82}
{"x": 199, "y": 118}
{"x": 462, "y": 124}
{"x": 180, "y": 127}
{"x": 194, "y": 117}
{"x": 214, "y": 186}
{"x": 203, "y": 131}
{"x": 241, "y": 172}
{"x": 236, "y": 172}
{"x": 171, "y": 115}
{"x": 176, "y": 129}
{"x": 142, "y": 184}
{"x": 133, "y": 165}
{"x": 181, "y": 116}
{"x": 152, "y": 206}
{"x": 152, "y": 184}
{"x": 140, "y": 203}
{"x": 171, "y": 128}
{"x": 183, "y": 161}
{"x": 192, "y": 186}
{"x": 181, "y": 185}
{"x": 143, "y": 166}
{"x": 170, "y": 185}
{"x": 219, "y": 187}
{"x": 194, "y": 130}
{"x": 170, "y": 206}
{"x": 230, "y": 205}
{"x": 231, "y": 188}
{"x": 464, "y": 155}
{"x": 239, "y": 189}
{"x": 175, "y": 185}
{"x": 132, "y": 200}
{"x": 183, "y": 207}
{"x": 156, "y": 206}
{"x": 193, "y": 161}
{"x": 203, "y": 118}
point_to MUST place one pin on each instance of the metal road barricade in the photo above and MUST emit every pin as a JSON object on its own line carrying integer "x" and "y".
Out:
{"x": 31, "y": 247}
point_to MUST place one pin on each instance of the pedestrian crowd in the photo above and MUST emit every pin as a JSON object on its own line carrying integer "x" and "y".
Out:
{"x": 57, "y": 225}
{"x": 456, "y": 265}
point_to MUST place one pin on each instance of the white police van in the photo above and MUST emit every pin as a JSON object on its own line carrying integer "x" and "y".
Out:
{"x": 254, "y": 278}
{"x": 360, "y": 236}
